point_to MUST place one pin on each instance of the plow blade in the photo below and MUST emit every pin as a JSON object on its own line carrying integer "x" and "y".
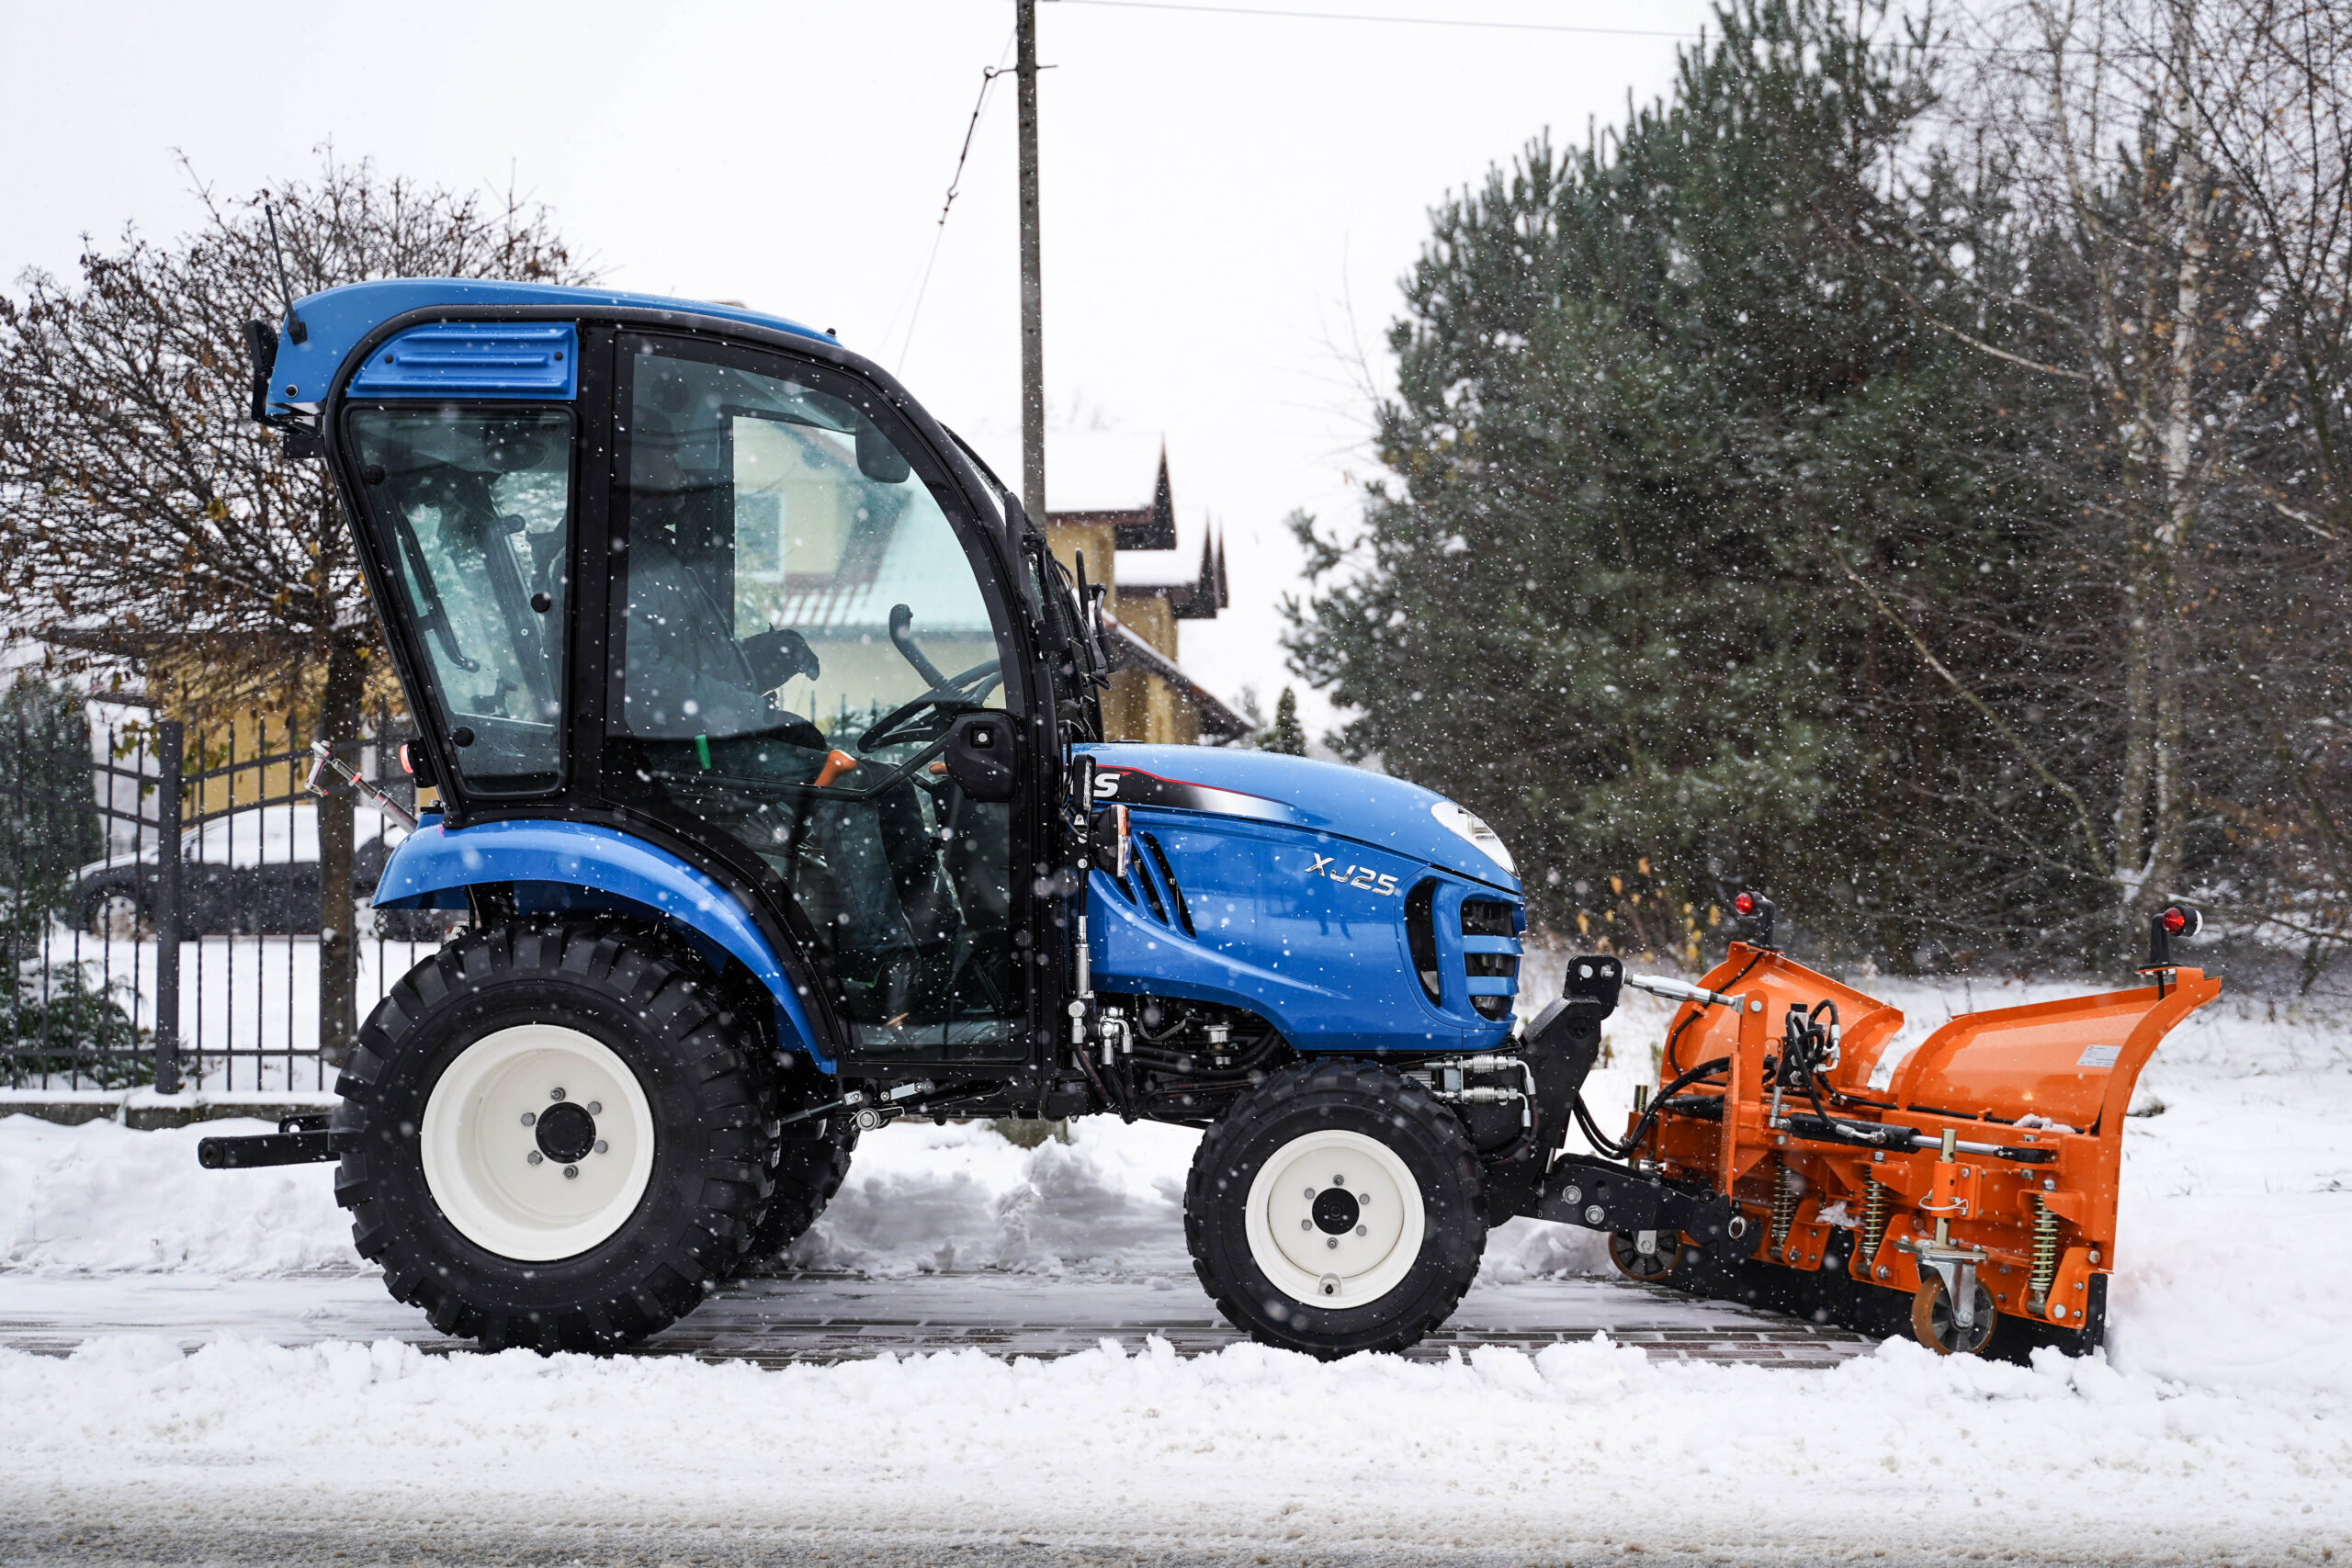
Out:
{"x": 1964, "y": 1190}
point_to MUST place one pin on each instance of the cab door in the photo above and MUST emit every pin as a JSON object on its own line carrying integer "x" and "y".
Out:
{"x": 806, "y": 644}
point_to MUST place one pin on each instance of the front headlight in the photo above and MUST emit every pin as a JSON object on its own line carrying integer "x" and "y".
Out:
{"x": 1477, "y": 833}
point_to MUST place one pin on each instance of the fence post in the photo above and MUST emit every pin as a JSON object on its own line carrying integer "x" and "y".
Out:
{"x": 168, "y": 907}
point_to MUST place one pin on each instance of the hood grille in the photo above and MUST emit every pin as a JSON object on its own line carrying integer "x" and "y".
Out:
{"x": 1491, "y": 951}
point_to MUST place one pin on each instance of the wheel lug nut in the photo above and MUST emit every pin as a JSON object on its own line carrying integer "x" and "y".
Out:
{"x": 1339, "y": 1181}
{"x": 595, "y": 1108}
{"x": 1310, "y": 1193}
{"x": 555, "y": 1094}
{"x": 602, "y": 1145}
{"x": 529, "y": 1119}
{"x": 533, "y": 1157}
{"x": 1306, "y": 1224}
{"x": 1363, "y": 1230}
{"x": 571, "y": 1171}
{"x": 1363, "y": 1200}
{"x": 1333, "y": 1244}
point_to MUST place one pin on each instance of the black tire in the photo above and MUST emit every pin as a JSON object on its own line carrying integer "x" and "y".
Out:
{"x": 810, "y": 1169}
{"x": 811, "y": 1158}
{"x": 94, "y": 910}
{"x": 711, "y": 1146}
{"x": 1393, "y": 1112}
{"x": 418, "y": 925}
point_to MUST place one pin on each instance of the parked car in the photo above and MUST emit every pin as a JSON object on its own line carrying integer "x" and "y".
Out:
{"x": 249, "y": 872}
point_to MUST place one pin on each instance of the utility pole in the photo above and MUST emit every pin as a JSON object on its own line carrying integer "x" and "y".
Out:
{"x": 1032, "y": 282}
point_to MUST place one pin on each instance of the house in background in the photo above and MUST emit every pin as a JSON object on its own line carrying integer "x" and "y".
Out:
{"x": 1108, "y": 497}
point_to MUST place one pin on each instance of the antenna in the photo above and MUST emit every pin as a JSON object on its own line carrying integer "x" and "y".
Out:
{"x": 294, "y": 327}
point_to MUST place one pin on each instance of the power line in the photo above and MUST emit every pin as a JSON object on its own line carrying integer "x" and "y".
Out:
{"x": 955, "y": 185}
{"x": 1372, "y": 16}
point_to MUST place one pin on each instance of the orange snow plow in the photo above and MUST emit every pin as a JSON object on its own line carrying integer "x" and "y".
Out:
{"x": 1968, "y": 1186}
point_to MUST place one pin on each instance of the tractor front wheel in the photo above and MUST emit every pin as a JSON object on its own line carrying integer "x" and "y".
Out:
{"x": 550, "y": 1138}
{"x": 1336, "y": 1209}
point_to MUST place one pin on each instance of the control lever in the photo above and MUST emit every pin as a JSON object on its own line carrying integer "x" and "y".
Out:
{"x": 322, "y": 757}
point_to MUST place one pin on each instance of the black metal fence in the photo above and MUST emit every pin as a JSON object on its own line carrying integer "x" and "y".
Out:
{"x": 123, "y": 967}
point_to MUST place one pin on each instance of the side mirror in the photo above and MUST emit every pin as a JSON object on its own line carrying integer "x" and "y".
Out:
{"x": 877, "y": 459}
{"x": 260, "y": 342}
{"x": 980, "y": 756}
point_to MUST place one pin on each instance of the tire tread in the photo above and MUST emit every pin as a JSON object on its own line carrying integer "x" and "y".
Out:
{"x": 655, "y": 1283}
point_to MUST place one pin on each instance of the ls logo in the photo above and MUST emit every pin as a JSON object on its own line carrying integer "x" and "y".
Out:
{"x": 1361, "y": 876}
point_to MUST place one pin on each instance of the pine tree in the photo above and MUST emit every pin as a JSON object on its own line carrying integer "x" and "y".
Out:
{"x": 1286, "y": 736}
{"x": 1651, "y": 395}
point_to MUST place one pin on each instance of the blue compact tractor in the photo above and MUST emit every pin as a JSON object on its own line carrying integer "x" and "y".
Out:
{"x": 760, "y": 741}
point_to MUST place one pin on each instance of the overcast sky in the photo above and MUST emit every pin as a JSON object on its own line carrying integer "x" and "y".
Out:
{"x": 1229, "y": 199}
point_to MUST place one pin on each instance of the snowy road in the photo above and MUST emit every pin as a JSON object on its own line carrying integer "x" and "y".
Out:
{"x": 776, "y": 1321}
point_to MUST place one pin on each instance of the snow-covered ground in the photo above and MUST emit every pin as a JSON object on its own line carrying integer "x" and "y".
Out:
{"x": 2217, "y": 1427}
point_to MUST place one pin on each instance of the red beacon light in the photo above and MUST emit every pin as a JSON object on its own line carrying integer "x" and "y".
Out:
{"x": 417, "y": 765}
{"x": 1753, "y": 906}
{"x": 2172, "y": 920}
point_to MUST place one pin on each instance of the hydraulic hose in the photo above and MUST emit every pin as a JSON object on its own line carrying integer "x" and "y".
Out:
{"x": 1641, "y": 1128}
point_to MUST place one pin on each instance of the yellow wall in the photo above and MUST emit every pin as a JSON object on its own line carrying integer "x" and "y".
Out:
{"x": 1139, "y": 705}
{"x": 1101, "y": 543}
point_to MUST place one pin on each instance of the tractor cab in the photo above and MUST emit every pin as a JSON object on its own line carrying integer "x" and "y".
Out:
{"x": 706, "y": 579}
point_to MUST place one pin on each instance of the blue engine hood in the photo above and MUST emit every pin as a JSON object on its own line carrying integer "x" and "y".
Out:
{"x": 1269, "y": 786}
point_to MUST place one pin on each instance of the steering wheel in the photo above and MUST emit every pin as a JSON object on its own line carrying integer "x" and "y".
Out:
{"x": 981, "y": 679}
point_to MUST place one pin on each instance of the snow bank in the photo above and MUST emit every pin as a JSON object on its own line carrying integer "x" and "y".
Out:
{"x": 100, "y": 1198}
{"x": 1576, "y": 1447}
{"x": 919, "y": 1198}
{"x": 927, "y": 1199}
{"x": 939, "y": 1199}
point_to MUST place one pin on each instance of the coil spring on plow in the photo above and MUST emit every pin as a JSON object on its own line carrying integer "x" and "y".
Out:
{"x": 2045, "y": 1270}
{"x": 1785, "y": 1193}
{"x": 1873, "y": 1219}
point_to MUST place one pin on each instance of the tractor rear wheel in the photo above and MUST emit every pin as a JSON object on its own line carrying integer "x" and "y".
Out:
{"x": 550, "y": 1137}
{"x": 1334, "y": 1209}
{"x": 811, "y": 1161}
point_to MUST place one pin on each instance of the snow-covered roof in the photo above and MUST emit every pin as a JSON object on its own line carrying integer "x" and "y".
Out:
{"x": 1176, "y": 567}
{"x": 1101, "y": 471}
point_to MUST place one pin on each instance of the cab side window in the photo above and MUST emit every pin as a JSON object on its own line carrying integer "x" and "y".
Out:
{"x": 472, "y": 508}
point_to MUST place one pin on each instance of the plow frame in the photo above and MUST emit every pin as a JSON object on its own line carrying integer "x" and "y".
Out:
{"x": 1990, "y": 1154}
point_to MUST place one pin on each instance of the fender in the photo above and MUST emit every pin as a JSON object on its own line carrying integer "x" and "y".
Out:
{"x": 550, "y": 863}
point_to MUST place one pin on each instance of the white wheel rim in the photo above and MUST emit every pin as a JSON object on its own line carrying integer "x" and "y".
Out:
{"x": 1300, "y": 1254}
{"x": 480, "y": 1161}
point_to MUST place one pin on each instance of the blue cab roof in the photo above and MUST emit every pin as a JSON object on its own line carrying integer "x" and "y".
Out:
{"x": 335, "y": 320}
